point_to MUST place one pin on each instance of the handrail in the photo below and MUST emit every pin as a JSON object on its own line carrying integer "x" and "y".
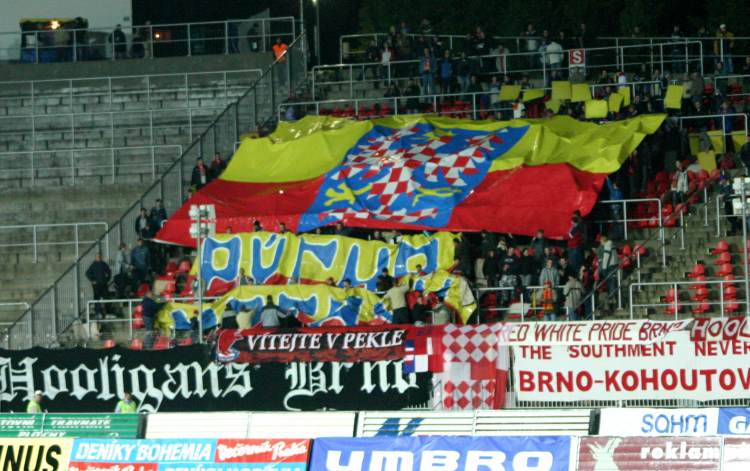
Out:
{"x": 230, "y": 40}
{"x": 46, "y": 305}
{"x": 625, "y": 220}
{"x": 112, "y": 150}
{"x": 529, "y": 58}
{"x": 715, "y": 116}
{"x": 676, "y": 302}
{"x": 35, "y": 235}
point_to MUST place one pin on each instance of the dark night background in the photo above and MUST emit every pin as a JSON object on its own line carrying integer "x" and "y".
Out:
{"x": 507, "y": 18}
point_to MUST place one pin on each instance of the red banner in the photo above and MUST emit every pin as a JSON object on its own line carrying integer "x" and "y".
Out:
{"x": 649, "y": 453}
{"x": 342, "y": 344}
{"x": 261, "y": 451}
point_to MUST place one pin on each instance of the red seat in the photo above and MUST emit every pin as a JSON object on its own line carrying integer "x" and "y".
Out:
{"x": 626, "y": 250}
{"x": 701, "y": 308}
{"x": 138, "y": 324}
{"x": 721, "y": 247}
{"x": 136, "y": 344}
{"x": 162, "y": 343}
{"x": 723, "y": 258}
{"x": 185, "y": 342}
{"x": 138, "y": 312}
{"x": 730, "y": 292}
{"x": 698, "y": 270}
{"x": 725, "y": 269}
{"x": 731, "y": 307}
{"x": 641, "y": 250}
{"x": 701, "y": 294}
{"x": 109, "y": 343}
{"x": 669, "y": 298}
{"x": 671, "y": 311}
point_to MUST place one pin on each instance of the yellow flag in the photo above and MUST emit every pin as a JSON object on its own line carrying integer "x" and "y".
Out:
{"x": 739, "y": 139}
{"x": 552, "y": 105}
{"x": 596, "y": 109}
{"x": 561, "y": 90}
{"x": 509, "y": 92}
{"x": 707, "y": 160}
{"x": 694, "y": 142}
{"x": 717, "y": 140}
{"x": 615, "y": 102}
{"x": 532, "y": 94}
{"x": 625, "y": 92}
{"x": 673, "y": 100}
{"x": 580, "y": 92}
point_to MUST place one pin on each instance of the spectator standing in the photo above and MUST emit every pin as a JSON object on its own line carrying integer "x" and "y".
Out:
{"x": 217, "y": 166}
{"x": 549, "y": 276}
{"x": 724, "y": 48}
{"x": 446, "y": 72}
{"x": 680, "y": 184}
{"x": 140, "y": 258}
{"x": 554, "y": 58}
{"x": 384, "y": 282}
{"x": 532, "y": 43}
{"x": 150, "y": 308}
{"x": 573, "y": 291}
{"x": 143, "y": 225}
{"x": 119, "y": 43}
{"x": 99, "y": 275}
{"x": 34, "y": 406}
{"x": 609, "y": 263}
{"x": 122, "y": 268}
{"x": 463, "y": 74}
{"x": 253, "y": 38}
{"x": 233, "y": 37}
{"x": 678, "y": 51}
{"x": 427, "y": 72}
{"x": 279, "y": 54}
{"x": 538, "y": 244}
{"x": 158, "y": 215}
{"x": 271, "y": 314}
{"x": 491, "y": 268}
{"x": 243, "y": 279}
{"x": 397, "y": 297}
{"x": 126, "y": 405}
{"x": 201, "y": 174}
{"x": 529, "y": 267}
{"x": 509, "y": 283}
{"x": 575, "y": 243}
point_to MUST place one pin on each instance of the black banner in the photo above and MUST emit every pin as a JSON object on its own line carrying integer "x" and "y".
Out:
{"x": 186, "y": 380}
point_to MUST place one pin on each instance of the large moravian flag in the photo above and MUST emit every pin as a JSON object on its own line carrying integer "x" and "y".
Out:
{"x": 417, "y": 172}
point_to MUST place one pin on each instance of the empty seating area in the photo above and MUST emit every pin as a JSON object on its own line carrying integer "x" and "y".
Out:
{"x": 107, "y": 129}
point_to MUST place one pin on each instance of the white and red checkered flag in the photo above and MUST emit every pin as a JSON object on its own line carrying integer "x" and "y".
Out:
{"x": 424, "y": 350}
{"x": 475, "y": 368}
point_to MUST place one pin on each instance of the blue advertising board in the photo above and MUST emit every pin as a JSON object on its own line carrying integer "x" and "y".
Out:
{"x": 734, "y": 421}
{"x": 440, "y": 453}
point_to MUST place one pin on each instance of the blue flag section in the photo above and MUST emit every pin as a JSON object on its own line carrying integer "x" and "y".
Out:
{"x": 734, "y": 421}
{"x": 442, "y": 453}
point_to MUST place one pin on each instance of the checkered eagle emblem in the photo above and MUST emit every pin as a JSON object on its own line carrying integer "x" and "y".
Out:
{"x": 411, "y": 175}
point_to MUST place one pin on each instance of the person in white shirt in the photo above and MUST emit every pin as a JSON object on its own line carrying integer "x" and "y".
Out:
{"x": 271, "y": 315}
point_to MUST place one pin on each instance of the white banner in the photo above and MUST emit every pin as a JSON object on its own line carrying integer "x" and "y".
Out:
{"x": 655, "y": 422}
{"x": 589, "y": 332}
{"x": 714, "y": 366}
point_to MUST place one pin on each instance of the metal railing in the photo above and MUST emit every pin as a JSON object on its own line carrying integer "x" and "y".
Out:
{"x": 55, "y": 310}
{"x": 146, "y": 41}
{"x": 722, "y": 117}
{"x": 625, "y": 221}
{"x": 543, "y": 65}
{"x": 162, "y": 106}
{"x": 527, "y": 307}
{"x": 36, "y": 235}
{"x": 374, "y": 107}
{"x": 676, "y": 304}
{"x": 80, "y": 164}
{"x": 127, "y": 306}
{"x": 394, "y": 102}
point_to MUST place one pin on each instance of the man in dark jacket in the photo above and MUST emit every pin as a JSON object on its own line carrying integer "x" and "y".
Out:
{"x": 99, "y": 275}
{"x": 491, "y": 268}
{"x": 140, "y": 258}
{"x": 158, "y": 215}
{"x": 143, "y": 225}
{"x": 201, "y": 174}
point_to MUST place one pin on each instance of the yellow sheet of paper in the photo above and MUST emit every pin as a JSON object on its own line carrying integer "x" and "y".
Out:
{"x": 673, "y": 99}
{"x": 509, "y": 92}
{"x": 552, "y": 105}
{"x": 561, "y": 90}
{"x": 625, "y": 92}
{"x": 580, "y": 92}
{"x": 615, "y": 102}
{"x": 596, "y": 109}
{"x": 717, "y": 140}
{"x": 707, "y": 160}
{"x": 739, "y": 138}
{"x": 532, "y": 94}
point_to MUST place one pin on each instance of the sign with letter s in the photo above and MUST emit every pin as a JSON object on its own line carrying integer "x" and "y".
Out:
{"x": 577, "y": 57}
{"x": 441, "y": 453}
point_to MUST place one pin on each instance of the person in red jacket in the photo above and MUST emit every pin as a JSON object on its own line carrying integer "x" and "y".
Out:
{"x": 575, "y": 244}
